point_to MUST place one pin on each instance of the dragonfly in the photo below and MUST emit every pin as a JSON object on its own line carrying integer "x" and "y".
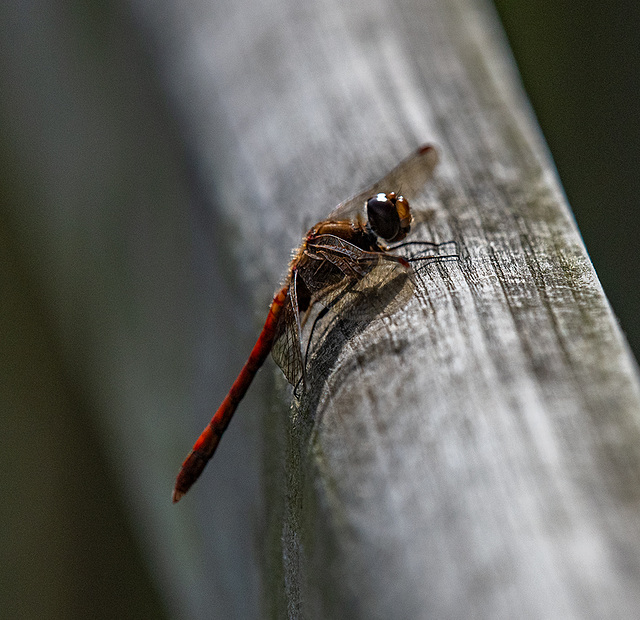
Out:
{"x": 346, "y": 265}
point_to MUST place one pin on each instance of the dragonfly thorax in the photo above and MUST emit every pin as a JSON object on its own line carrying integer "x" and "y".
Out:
{"x": 389, "y": 216}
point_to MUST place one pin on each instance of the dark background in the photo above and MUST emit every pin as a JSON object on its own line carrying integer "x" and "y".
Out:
{"x": 72, "y": 549}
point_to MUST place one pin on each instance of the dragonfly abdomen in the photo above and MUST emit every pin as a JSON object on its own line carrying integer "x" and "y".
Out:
{"x": 207, "y": 443}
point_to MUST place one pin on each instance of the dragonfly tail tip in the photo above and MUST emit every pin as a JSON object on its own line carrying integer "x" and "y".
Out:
{"x": 176, "y": 496}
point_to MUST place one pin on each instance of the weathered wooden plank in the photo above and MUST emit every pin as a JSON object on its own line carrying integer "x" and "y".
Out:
{"x": 478, "y": 453}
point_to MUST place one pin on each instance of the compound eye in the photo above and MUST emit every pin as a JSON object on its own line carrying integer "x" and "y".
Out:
{"x": 383, "y": 216}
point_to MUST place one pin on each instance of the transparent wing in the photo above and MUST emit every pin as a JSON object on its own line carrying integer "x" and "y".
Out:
{"x": 352, "y": 282}
{"x": 407, "y": 178}
{"x": 286, "y": 349}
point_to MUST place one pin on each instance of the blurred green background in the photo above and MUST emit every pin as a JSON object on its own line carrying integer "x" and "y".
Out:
{"x": 91, "y": 96}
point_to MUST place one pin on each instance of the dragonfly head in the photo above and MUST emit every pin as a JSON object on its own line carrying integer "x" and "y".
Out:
{"x": 389, "y": 216}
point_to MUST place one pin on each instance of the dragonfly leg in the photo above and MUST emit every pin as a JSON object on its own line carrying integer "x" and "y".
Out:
{"x": 429, "y": 244}
{"x": 293, "y": 291}
{"x": 433, "y": 258}
{"x": 319, "y": 317}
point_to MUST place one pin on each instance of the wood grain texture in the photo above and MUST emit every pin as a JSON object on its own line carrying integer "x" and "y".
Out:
{"x": 478, "y": 453}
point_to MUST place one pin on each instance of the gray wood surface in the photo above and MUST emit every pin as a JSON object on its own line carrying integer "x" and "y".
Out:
{"x": 478, "y": 453}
